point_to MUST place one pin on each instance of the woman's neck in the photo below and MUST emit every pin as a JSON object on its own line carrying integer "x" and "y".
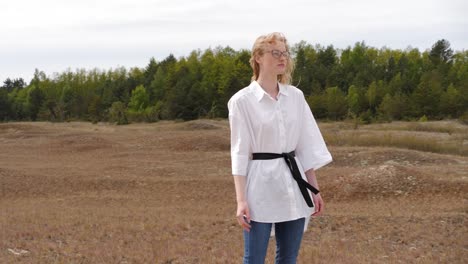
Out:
{"x": 269, "y": 84}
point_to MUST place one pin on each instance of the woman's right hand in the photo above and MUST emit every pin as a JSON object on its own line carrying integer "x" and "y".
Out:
{"x": 243, "y": 215}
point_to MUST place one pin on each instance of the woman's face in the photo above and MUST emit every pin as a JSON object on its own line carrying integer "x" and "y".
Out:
{"x": 274, "y": 59}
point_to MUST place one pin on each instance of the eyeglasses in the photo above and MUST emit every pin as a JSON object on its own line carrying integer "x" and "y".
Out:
{"x": 277, "y": 54}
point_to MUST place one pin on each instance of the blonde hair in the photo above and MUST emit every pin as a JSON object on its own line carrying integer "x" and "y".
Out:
{"x": 259, "y": 48}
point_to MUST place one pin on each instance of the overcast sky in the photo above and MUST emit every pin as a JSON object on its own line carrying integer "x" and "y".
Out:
{"x": 53, "y": 35}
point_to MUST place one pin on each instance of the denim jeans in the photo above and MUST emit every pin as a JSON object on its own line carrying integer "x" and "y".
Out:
{"x": 288, "y": 241}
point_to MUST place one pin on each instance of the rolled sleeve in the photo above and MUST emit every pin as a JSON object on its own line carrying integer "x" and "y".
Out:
{"x": 240, "y": 140}
{"x": 311, "y": 149}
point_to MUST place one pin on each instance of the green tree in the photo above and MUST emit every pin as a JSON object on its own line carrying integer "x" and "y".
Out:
{"x": 149, "y": 72}
{"x": 356, "y": 100}
{"x": 306, "y": 62}
{"x": 427, "y": 95}
{"x": 451, "y": 102}
{"x": 318, "y": 105}
{"x": 441, "y": 53}
{"x": 95, "y": 109}
{"x": 336, "y": 103}
{"x": 157, "y": 88}
{"x": 139, "y": 100}
{"x": 68, "y": 102}
{"x": 9, "y": 84}
{"x": 35, "y": 100}
{"x": 5, "y": 107}
{"x": 393, "y": 107}
{"x": 182, "y": 98}
{"x": 18, "y": 104}
{"x": 396, "y": 85}
{"x": 374, "y": 95}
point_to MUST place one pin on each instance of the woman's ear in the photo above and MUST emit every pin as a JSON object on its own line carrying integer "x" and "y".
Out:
{"x": 258, "y": 59}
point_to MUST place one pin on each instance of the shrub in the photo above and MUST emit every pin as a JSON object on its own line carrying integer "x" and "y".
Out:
{"x": 117, "y": 113}
{"x": 464, "y": 118}
{"x": 423, "y": 118}
{"x": 366, "y": 117}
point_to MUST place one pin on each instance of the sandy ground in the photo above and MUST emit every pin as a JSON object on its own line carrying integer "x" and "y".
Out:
{"x": 163, "y": 193}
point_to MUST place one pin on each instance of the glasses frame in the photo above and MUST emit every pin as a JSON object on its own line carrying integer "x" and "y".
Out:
{"x": 277, "y": 54}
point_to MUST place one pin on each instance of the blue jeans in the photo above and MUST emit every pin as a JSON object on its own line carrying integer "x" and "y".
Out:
{"x": 288, "y": 241}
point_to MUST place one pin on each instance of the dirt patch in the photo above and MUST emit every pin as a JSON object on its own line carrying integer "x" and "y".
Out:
{"x": 20, "y": 131}
{"x": 201, "y": 125}
{"x": 390, "y": 181}
{"x": 8, "y": 127}
{"x": 361, "y": 156}
{"x": 213, "y": 141}
{"x": 80, "y": 142}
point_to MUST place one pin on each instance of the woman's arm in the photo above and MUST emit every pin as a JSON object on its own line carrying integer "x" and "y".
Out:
{"x": 243, "y": 214}
{"x": 312, "y": 179}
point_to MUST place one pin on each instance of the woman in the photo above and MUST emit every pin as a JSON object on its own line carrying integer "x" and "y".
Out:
{"x": 276, "y": 147}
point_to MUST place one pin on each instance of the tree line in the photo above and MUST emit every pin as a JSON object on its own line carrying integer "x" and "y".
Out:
{"x": 357, "y": 82}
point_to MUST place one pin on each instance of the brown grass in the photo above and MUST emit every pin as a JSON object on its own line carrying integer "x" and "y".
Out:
{"x": 162, "y": 193}
{"x": 439, "y": 137}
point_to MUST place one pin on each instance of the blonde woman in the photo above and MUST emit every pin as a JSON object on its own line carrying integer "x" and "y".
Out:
{"x": 276, "y": 146}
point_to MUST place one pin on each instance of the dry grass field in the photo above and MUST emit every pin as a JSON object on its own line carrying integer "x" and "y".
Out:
{"x": 162, "y": 193}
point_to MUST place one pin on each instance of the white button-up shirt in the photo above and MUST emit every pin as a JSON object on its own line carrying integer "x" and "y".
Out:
{"x": 260, "y": 123}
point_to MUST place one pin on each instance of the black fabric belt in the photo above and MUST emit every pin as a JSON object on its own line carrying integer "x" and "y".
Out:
{"x": 291, "y": 162}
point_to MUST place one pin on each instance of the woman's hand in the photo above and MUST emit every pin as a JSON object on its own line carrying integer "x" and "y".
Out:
{"x": 243, "y": 215}
{"x": 318, "y": 204}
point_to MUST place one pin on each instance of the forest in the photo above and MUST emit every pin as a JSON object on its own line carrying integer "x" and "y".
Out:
{"x": 359, "y": 82}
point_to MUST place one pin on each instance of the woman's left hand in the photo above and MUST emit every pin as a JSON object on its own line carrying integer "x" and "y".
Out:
{"x": 318, "y": 202}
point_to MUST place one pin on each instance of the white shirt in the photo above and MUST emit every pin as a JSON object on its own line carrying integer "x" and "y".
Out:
{"x": 260, "y": 123}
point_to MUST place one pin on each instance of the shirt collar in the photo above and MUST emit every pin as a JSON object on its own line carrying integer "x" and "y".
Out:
{"x": 259, "y": 92}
